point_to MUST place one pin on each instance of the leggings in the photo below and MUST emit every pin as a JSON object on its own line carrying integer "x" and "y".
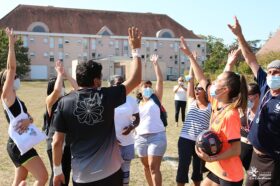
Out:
{"x": 180, "y": 105}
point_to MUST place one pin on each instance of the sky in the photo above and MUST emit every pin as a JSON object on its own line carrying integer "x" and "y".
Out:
{"x": 258, "y": 18}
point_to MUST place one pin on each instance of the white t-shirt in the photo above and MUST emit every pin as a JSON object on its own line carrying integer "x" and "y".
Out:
{"x": 150, "y": 121}
{"x": 180, "y": 95}
{"x": 123, "y": 118}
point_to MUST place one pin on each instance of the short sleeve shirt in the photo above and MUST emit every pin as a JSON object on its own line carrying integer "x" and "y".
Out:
{"x": 265, "y": 134}
{"x": 181, "y": 94}
{"x": 227, "y": 125}
{"x": 123, "y": 118}
{"x": 87, "y": 118}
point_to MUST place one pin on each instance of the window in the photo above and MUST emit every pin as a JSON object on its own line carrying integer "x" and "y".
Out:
{"x": 175, "y": 62}
{"x": 125, "y": 45}
{"x": 60, "y": 56}
{"x": 85, "y": 44}
{"x": 32, "y": 54}
{"x": 105, "y": 31}
{"x": 155, "y": 45}
{"x": 51, "y": 57}
{"x": 45, "y": 40}
{"x": 85, "y": 56}
{"x": 116, "y": 44}
{"x": 93, "y": 44}
{"x": 51, "y": 42}
{"x": 93, "y": 55}
{"x": 45, "y": 54}
{"x": 25, "y": 41}
{"x": 66, "y": 41}
{"x": 198, "y": 45}
{"x": 165, "y": 33}
{"x": 38, "y": 29}
{"x": 176, "y": 47}
{"x": 60, "y": 43}
{"x": 169, "y": 71}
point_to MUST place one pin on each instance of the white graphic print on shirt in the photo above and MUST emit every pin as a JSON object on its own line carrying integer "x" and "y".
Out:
{"x": 89, "y": 110}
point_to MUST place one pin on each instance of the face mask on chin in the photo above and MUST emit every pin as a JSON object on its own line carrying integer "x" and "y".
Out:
{"x": 16, "y": 84}
{"x": 273, "y": 82}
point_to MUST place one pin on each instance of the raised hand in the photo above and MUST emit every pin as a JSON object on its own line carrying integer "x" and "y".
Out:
{"x": 184, "y": 47}
{"x": 233, "y": 56}
{"x": 154, "y": 58}
{"x": 11, "y": 36}
{"x": 59, "y": 68}
{"x": 134, "y": 37}
{"x": 236, "y": 28}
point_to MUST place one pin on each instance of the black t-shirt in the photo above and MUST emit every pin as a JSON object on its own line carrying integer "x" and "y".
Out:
{"x": 87, "y": 117}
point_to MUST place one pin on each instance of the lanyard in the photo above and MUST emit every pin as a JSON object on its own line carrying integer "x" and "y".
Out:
{"x": 263, "y": 103}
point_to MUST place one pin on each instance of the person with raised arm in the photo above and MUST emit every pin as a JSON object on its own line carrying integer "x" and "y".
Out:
{"x": 55, "y": 90}
{"x": 86, "y": 116}
{"x": 150, "y": 139}
{"x": 14, "y": 108}
{"x": 264, "y": 133}
{"x": 197, "y": 120}
{"x": 227, "y": 94}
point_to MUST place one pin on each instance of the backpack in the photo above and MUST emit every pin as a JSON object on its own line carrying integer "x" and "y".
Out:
{"x": 163, "y": 113}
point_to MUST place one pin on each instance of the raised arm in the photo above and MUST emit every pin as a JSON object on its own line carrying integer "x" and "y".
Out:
{"x": 71, "y": 80}
{"x": 8, "y": 94}
{"x": 134, "y": 79}
{"x": 249, "y": 56}
{"x": 232, "y": 59}
{"x": 55, "y": 95}
{"x": 198, "y": 73}
{"x": 190, "y": 91}
{"x": 159, "y": 83}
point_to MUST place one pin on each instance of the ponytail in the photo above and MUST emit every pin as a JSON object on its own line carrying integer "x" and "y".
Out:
{"x": 238, "y": 90}
{"x": 242, "y": 98}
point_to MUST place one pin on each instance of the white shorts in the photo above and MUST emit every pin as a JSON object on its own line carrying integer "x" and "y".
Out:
{"x": 151, "y": 144}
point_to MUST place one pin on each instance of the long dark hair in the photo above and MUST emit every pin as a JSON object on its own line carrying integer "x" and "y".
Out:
{"x": 51, "y": 84}
{"x": 238, "y": 91}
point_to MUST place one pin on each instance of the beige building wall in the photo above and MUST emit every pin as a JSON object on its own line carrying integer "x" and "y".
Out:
{"x": 46, "y": 48}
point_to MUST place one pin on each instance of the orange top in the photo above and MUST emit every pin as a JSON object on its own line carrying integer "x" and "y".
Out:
{"x": 226, "y": 123}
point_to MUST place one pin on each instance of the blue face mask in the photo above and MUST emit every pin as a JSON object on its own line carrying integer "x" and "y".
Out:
{"x": 250, "y": 104}
{"x": 273, "y": 82}
{"x": 188, "y": 78}
{"x": 147, "y": 92}
{"x": 213, "y": 90}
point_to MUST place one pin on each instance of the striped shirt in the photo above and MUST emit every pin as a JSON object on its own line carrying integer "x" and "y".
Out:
{"x": 196, "y": 121}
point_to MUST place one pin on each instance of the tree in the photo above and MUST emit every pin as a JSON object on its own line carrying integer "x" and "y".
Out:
{"x": 216, "y": 54}
{"x": 23, "y": 62}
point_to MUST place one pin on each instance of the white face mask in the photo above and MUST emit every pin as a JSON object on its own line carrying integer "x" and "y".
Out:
{"x": 16, "y": 84}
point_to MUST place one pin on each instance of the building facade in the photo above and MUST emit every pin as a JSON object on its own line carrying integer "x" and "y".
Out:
{"x": 73, "y": 35}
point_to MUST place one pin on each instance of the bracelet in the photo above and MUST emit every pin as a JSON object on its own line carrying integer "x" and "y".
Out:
{"x": 57, "y": 170}
{"x": 135, "y": 53}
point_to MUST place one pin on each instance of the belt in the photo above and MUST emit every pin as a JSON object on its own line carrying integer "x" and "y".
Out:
{"x": 245, "y": 140}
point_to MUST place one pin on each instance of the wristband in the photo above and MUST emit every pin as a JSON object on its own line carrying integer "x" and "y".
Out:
{"x": 135, "y": 53}
{"x": 57, "y": 170}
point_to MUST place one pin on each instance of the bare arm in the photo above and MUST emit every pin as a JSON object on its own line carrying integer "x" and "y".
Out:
{"x": 57, "y": 147}
{"x": 136, "y": 67}
{"x": 132, "y": 126}
{"x": 198, "y": 73}
{"x": 190, "y": 91}
{"x": 234, "y": 150}
{"x": 232, "y": 59}
{"x": 55, "y": 95}
{"x": 72, "y": 81}
{"x": 249, "y": 56}
{"x": 8, "y": 94}
{"x": 159, "y": 83}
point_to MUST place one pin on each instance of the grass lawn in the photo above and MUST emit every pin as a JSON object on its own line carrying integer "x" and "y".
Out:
{"x": 34, "y": 93}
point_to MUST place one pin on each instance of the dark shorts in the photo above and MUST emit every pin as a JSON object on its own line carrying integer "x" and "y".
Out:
{"x": 263, "y": 170}
{"x": 115, "y": 179}
{"x": 222, "y": 182}
{"x": 15, "y": 156}
{"x": 246, "y": 155}
{"x": 186, "y": 150}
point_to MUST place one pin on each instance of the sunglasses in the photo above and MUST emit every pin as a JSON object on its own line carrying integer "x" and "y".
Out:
{"x": 16, "y": 76}
{"x": 198, "y": 89}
